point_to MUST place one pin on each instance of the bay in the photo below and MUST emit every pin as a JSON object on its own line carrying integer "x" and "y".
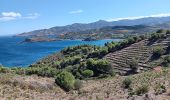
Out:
{"x": 13, "y": 53}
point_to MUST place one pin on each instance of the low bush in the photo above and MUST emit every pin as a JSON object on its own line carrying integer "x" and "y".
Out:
{"x": 87, "y": 73}
{"x": 159, "y": 89}
{"x": 160, "y": 31}
{"x": 158, "y": 51}
{"x": 142, "y": 89}
{"x": 167, "y": 59}
{"x": 41, "y": 71}
{"x": 4, "y": 70}
{"x": 168, "y": 32}
{"x": 66, "y": 80}
{"x": 126, "y": 83}
{"x": 133, "y": 65}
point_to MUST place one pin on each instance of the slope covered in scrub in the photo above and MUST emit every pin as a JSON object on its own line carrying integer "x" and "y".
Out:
{"x": 93, "y": 72}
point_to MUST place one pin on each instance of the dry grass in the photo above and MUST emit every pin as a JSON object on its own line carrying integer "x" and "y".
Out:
{"x": 15, "y": 87}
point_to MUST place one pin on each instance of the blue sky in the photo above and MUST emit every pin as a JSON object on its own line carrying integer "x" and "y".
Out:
{"x": 17, "y": 16}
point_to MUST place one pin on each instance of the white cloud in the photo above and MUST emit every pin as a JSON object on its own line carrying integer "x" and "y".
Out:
{"x": 32, "y": 16}
{"x": 76, "y": 11}
{"x": 138, "y": 17}
{"x": 7, "y": 16}
{"x": 11, "y": 14}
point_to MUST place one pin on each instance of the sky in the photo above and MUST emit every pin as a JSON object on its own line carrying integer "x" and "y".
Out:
{"x": 18, "y": 16}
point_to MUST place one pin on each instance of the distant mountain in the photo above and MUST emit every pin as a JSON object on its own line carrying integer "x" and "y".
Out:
{"x": 58, "y": 30}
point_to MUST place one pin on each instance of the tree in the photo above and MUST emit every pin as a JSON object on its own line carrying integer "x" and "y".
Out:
{"x": 131, "y": 40}
{"x": 99, "y": 66}
{"x": 66, "y": 80}
{"x": 103, "y": 67}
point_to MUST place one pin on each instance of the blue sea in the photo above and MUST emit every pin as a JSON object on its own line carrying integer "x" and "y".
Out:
{"x": 13, "y": 53}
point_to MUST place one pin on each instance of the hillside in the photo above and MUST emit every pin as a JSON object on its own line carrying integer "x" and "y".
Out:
{"x": 34, "y": 87}
{"x": 142, "y": 52}
{"x": 136, "y": 68}
{"x": 95, "y": 25}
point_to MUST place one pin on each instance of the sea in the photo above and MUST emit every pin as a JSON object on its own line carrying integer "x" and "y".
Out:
{"x": 15, "y": 53}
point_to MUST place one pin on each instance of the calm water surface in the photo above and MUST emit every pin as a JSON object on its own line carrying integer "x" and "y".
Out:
{"x": 14, "y": 53}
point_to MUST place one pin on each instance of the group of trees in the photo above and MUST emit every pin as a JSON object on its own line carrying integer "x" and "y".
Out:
{"x": 99, "y": 66}
{"x": 159, "y": 34}
{"x": 114, "y": 46}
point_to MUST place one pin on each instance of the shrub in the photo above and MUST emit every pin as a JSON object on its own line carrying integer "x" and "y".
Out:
{"x": 42, "y": 71}
{"x": 112, "y": 73}
{"x": 99, "y": 66}
{"x": 158, "y": 51}
{"x": 167, "y": 59}
{"x": 142, "y": 89}
{"x": 66, "y": 80}
{"x": 160, "y": 31}
{"x": 78, "y": 84}
{"x": 168, "y": 50}
{"x": 131, "y": 40}
{"x": 159, "y": 89}
{"x": 133, "y": 65}
{"x": 4, "y": 70}
{"x": 87, "y": 73}
{"x": 168, "y": 32}
{"x": 19, "y": 71}
{"x": 103, "y": 67}
{"x": 142, "y": 37}
{"x": 156, "y": 36}
{"x": 127, "y": 82}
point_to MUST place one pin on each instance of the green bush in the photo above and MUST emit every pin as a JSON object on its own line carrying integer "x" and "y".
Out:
{"x": 66, "y": 80}
{"x": 113, "y": 73}
{"x": 42, "y": 71}
{"x": 131, "y": 40}
{"x": 126, "y": 83}
{"x": 160, "y": 31}
{"x": 4, "y": 70}
{"x": 142, "y": 89}
{"x": 168, "y": 32}
{"x": 99, "y": 66}
{"x": 103, "y": 66}
{"x": 158, "y": 51}
{"x": 167, "y": 59}
{"x": 156, "y": 36}
{"x": 87, "y": 73}
{"x": 133, "y": 65}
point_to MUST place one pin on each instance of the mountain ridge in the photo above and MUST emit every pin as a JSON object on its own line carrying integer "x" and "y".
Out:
{"x": 76, "y": 27}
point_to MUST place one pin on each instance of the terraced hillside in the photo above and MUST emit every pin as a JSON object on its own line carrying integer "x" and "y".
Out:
{"x": 163, "y": 42}
{"x": 141, "y": 51}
